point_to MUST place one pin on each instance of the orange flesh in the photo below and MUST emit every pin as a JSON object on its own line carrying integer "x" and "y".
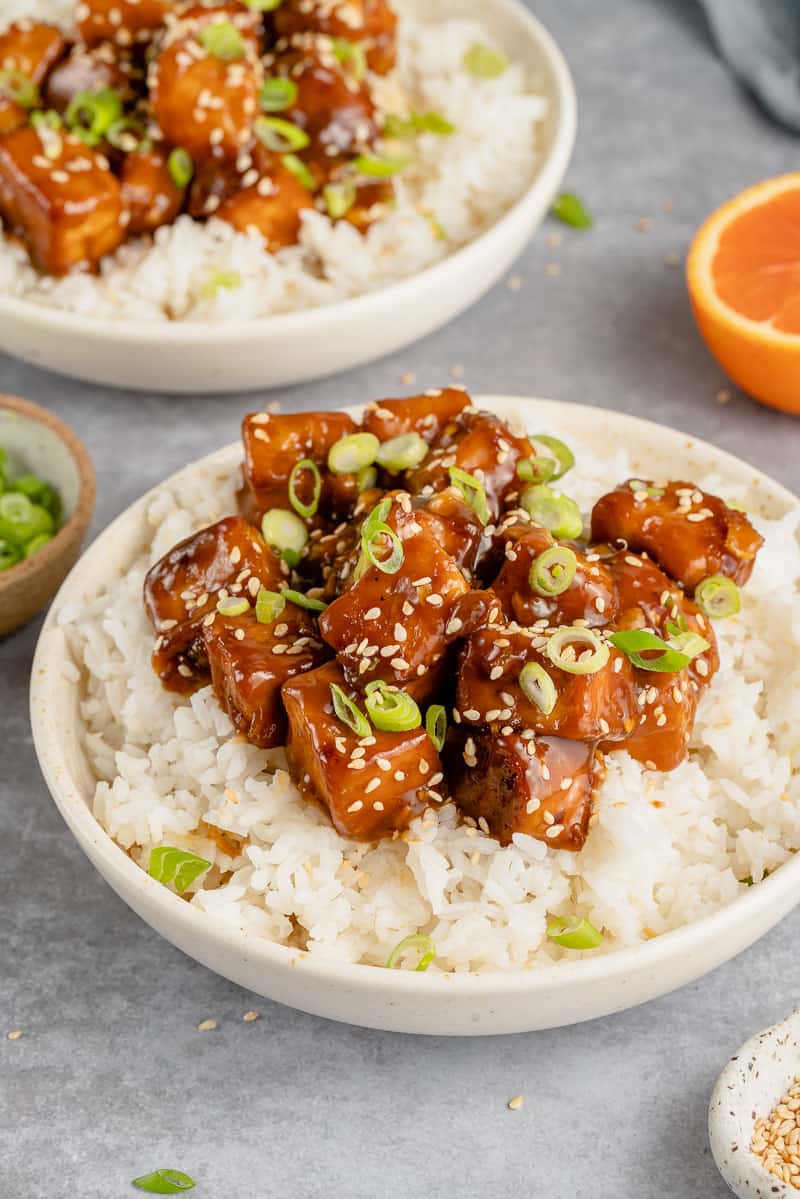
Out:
{"x": 756, "y": 268}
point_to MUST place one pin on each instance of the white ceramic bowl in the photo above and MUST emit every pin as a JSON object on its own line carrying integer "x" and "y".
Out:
{"x": 405, "y": 1001}
{"x": 754, "y": 1080}
{"x": 238, "y": 356}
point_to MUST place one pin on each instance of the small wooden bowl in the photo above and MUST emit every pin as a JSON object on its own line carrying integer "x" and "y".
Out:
{"x": 47, "y": 448}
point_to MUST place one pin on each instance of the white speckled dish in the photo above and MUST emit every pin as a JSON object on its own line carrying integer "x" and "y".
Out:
{"x": 747, "y": 1089}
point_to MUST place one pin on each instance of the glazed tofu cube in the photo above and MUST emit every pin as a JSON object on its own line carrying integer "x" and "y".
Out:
{"x": 428, "y": 414}
{"x": 203, "y": 103}
{"x": 270, "y": 208}
{"x": 229, "y": 558}
{"x": 395, "y": 626}
{"x": 481, "y": 445}
{"x": 249, "y": 663}
{"x": 455, "y": 526}
{"x": 590, "y": 596}
{"x": 272, "y": 446}
{"x": 60, "y": 197}
{"x": 372, "y": 23}
{"x": 149, "y": 192}
{"x": 31, "y": 49}
{"x": 690, "y": 533}
{"x": 509, "y": 784}
{"x": 84, "y": 70}
{"x": 371, "y": 786}
{"x": 125, "y": 22}
{"x": 666, "y": 718}
{"x": 588, "y": 707}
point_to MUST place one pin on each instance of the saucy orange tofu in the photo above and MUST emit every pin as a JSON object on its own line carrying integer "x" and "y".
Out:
{"x": 273, "y": 444}
{"x": 149, "y": 192}
{"x": 181, "y": 591}
{"x": 203, "y": 103}
{"x": 507, "y": 783}
{"x": 371, "y": 23}
{"x": 125, "y": 22}
{"x": 270, "y": 208}
{"x": 585, "y": 707}
{"x": 249, "y": 663}
{"x": 60, "y": 197}
{"x": 590, "y": 597}
{"x": 373, "y": 785}
{"x": 92, "y": 70}
{"x": 428, "y": 414}
{"x": 396, "y": 626}
{"x": 690, "y": 533}
{"x": 31, "y": 49}
{"x": 479, "y": 444}
{"x": 456, "y": 527}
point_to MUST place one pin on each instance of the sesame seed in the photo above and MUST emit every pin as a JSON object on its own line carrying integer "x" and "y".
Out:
{"x": 372, "y": 614}
{"x": 15, "y": 1034}
{"x": 372, "y": 785}
{"x": 207, "y": 1026}
{"x": 356, "y": 806}
{"x": 516, "y": 1103}
{"x": 249, "y": 1017}
{"x": 399, "y": 776}
{"x": 495, "y": 673}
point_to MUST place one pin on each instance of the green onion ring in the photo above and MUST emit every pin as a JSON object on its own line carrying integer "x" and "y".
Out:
{"x": 180, "y": 167}
{"x": 473, "y": 492}
{"x": 303, "y": 601}
{"x": 554, "y": 511}
{"x": 50, "y": 119}
{"x": 718, "y": 596}
{"x": 535, "y": 470}
{"x": 263, "y": 5}
{"x": 352, "y": 453}
{"x": 390, "y": 709}
{"x": 416, "y": 941}
{"x": 306, "y": 510}
{"x": 561, "y": 454}
{"x": 436, "y": 725}
{"x": 379, "y": 168}
{"x": 391, "y": 564}
{"x": 277, "y": 94}
{"x": 552, "y": 572}
{"x": 223, "y": 40}
{"x": 570, "y": 635}
{"x": 351, "y": 56}
{"x": 233, "y": 605}
{"x": 404, "y": 452}
{"x": 339, "y": 199}
{"x": 577, "y": 933}
{"x": 90, "y": 115}
{"x": 635, "y": 642}
{"x": 19, "y": 88}
{"x": 269, "y": 605}
{"x": 284, "y": 530}
{"x": 367, "y": 477}
{"x": 538, "y": 687}
{"x": 279, "y": 135}
{"x": 690, "y": 644}
{"x": 300, "y": 171}
{"x": 126, "y": 134}
{"x": 348, "y": 713}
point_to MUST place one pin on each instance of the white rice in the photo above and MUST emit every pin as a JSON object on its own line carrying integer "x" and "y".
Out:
{"x": 667, "y": 849}
{"x": 458, "y": 186}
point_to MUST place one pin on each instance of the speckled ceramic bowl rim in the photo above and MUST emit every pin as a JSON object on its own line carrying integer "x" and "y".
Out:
{"x": 361, "y": 978}
{"x": 393, "y": 295}
{"x": 41, "y": 561}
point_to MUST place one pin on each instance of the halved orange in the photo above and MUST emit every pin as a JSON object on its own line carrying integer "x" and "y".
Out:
{"x": 743, "y": 273}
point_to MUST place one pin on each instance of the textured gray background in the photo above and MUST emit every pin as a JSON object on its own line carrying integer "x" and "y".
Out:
{"x": 111, "y": 1078}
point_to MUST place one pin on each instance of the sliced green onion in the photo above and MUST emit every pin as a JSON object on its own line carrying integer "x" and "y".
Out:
{"x": 19, "y": 88}
{"x": 223, "y": 40}
{"x": 391, "y": 710}
{"x": 339, "y": 199}
{"x": 417, "y": 941}
{"x": 351, "y": 454}
{"x": 561, "y": 455}
{"x": 416, "y": 123}
{"x": 37, "y": 543}
{"x": 436, "y": 725}
{"x": 126, "y": 134}
{"x": 46, "y": 120}
{"x": 378, "y": 515}
{"x": 180, "y": 167}
{"x": 569, "y": 209}
{"x": 367, "y": 477}
{"x": 403, "y": 452}
{"x": 560, "y": 649}
{"x": 351, "y": 56}
{"x": 552, "y": 572}
{"x": 39, "y": 492}
{"x": 170, "y": 865}
{"x": 279, "y": 135}
{"x": 90, "y": 115}
{"x": 233, "y": 605}
{"x": 379, "y": 167}
{"x": 634, "y": 643}
{"x": 690, "y": 644}
{"x": 284, "y": 530}
{"x": 484, "y": 62}
{"x": 577, "y": 933}
{"x": 300, "y": 171}
{"x": 277, "y": 94}
{"x": 21, "y": 521}
{"x": 636, "y": 485}
{"x": 348, "y": 713}
{"x": 538, "y": 687}
{"x": 473, "y": 492}
{"x": 220, "y": 280}
{"x": 263, "y": 5}
{"x": 164, "y": 1182}
{"x": 303, "y": 601}
{"x": 535, "y": 470}
{"x": 390, "y": 564}
{"x": 303, "y": 509}
{"x": 552, "y": 510}
{"x": 269, "y": 605}
{"x": 10, "y": 554}
{"x": 718, "y": 596}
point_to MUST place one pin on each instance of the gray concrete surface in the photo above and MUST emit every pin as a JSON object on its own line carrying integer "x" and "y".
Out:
{"x": 111, "y": 1078}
